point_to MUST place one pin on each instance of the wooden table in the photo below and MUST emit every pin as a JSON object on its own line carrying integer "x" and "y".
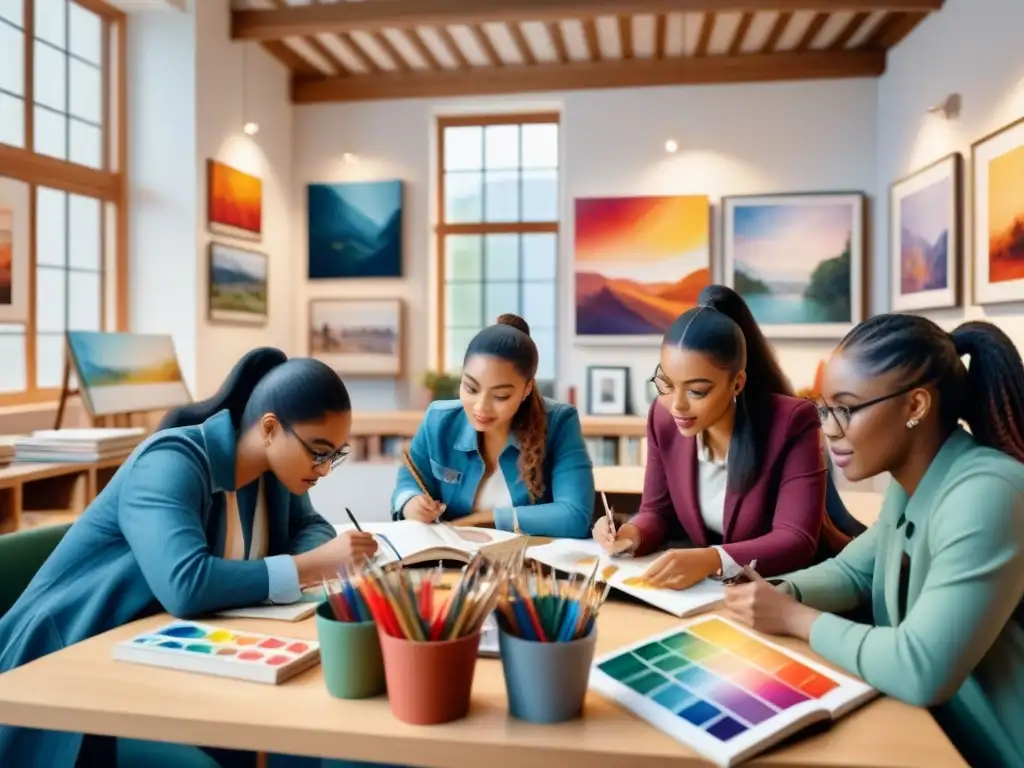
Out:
{"x": 863, "y": 505}
{"x": 81, "y": 688}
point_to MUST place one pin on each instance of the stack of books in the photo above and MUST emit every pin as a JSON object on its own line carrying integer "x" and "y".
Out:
{"x": 72, "y": 445}
{"x": 7, "y": 449}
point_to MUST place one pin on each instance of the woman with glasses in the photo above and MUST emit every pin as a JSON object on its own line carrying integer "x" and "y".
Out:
{"x": 941, "y": 573}
{"x": 732, "y": 457}
{"x": 209, "y": 513}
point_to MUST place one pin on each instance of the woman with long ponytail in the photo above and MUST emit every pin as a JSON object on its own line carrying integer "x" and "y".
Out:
{"x": 940, "y": 575}
{"x": 209, "y": 513}
{"x": 501, "y": 455}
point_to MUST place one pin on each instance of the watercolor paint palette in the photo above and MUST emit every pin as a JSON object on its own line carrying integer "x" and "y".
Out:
{"x": 193, "y": 647}
{"x": 722, "y": 690}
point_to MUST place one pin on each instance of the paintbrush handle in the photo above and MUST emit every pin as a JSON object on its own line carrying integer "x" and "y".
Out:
{"x": 407, "y": 459}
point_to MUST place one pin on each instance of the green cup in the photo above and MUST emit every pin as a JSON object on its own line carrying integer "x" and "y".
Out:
{"x": 350, "y": 656}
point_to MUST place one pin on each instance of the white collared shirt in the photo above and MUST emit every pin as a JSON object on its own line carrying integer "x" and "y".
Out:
{"x": 712, "y": 479}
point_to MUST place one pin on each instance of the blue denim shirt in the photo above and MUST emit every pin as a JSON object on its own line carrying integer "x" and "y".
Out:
{"x": 445, "y": 453}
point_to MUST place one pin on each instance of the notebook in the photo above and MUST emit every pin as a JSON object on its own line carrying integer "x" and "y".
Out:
{"x": 271, "y": 612}
{"x": 411, "y": 542}
{"x": 580, "y": 555}
{"x": 722, "y": 690}
{"x": 193, "y": 647}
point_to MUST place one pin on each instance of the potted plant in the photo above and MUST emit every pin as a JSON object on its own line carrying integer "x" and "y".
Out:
{"x": 442, "y": 386}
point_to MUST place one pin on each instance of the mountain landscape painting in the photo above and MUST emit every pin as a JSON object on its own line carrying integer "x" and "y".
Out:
{"x": 998, "y": 183}
{"x": 639, "y": 263}
{"x": 357, "y": 337}
{"x": 796, "y": 260}
{"x": 355, "y": 229}
{"x": 238, "y": 285}
{"x": 925, "y": 237}
{"x": 127, "y": 372}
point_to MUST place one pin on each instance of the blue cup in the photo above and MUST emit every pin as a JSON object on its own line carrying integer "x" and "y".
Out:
{"x": 546, "y": 682}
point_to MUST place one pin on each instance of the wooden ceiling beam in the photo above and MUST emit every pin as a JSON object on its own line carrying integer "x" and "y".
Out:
{"x": 376, "y": 14}
{"x": 581, "y": 75}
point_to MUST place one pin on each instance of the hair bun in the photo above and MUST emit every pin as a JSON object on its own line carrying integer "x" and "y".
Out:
{"x": 515, "y": 321}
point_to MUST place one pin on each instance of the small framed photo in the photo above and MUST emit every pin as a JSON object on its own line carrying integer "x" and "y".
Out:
{"x": 357, "y": 337}
{"x": 607, "y": 390}
{"x": 237, "y": 290}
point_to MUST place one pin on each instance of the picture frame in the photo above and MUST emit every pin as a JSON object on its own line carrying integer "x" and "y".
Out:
{"x": 997, "y": 210}
{"x": 237, "y": 290}
{"x": 926, "y": 236}
{"x": 608, "y": 390}
{"x": 355, "y": 229}
{"x": 798, "y": 260}
{"x": 14, "y": 251}
{"x": 234, "y": 202}
{"x": 358, "y": 337}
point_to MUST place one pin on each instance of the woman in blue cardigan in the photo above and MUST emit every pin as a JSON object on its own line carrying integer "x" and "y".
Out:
{"x": 501, "y": 455}
{"x": 211, "y": 513}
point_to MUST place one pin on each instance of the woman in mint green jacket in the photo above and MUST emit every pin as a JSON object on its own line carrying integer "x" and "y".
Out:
{"x": 941, "y": 573}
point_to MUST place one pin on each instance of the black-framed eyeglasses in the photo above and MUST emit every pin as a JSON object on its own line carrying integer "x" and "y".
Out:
{"x": 842, "y": 414}
{"x": 660, "y": 385}
{"x": 334, "y": 458}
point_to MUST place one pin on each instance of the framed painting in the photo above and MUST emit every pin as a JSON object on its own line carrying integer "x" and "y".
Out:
{"x": 608, "y": 390}
{"x": 234, "y": 202}
{"x": 355, "y": 229}
{"x": 639, "y": 263}
{"x": 357, "y": 337}
{"x": 126, "y": 372}
{"x": 237, "y": 290}
{"x": 797, "y": 260}
{"x": 997, "y": 166}
{"x": 925, "y": 237}
{"x": 14, "y": 251}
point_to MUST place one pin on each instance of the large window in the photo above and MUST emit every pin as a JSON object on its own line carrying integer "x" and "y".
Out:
{"x": 498, "y": 230}
{"x": 63, "y": 225}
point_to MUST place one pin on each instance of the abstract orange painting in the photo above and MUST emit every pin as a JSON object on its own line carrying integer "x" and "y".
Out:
{"x": 6, "y": 256}
{"x": 998, "y": 163}
{"x": 234, "y": 201}
{"x": 640, "y": 262}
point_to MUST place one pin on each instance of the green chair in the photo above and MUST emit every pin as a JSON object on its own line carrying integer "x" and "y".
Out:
{"x": 22, "y": 554}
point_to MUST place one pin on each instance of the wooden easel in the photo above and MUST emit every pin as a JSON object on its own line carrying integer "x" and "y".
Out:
{"x": 126, "y": 419}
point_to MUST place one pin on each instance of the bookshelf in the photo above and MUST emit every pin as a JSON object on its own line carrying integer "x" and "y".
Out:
{"x": 36, "y": 494}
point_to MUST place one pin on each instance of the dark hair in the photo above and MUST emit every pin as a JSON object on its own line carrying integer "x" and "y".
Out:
{"x": 266, "y": 381}
{"x": 988, "y": 394}
{"x": 722, "y": 327}
{"x": 509, "y": 339}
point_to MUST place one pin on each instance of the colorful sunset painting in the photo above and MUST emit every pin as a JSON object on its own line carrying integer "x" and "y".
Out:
{"x": 640, "y": 262}
{"x": 796, "y": 259}
{"x": 925, "y": 223}
{"x": 234, "y": 202}
{"x": 6, "y": 256}
{"x": 127, "y": 372}
{"x": 1006, "y": 216}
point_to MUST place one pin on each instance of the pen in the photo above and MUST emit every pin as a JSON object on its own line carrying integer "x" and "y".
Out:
{"x": 353, "y": 519}
{"x": 608, "y": 513}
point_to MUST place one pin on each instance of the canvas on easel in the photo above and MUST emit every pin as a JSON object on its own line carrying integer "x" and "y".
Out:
{"x": 121, "y": 374}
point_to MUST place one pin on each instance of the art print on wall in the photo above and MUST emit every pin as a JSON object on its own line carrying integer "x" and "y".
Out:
{"x": 355, "y": 229}
{"x": 234, "y": 202}
{"x": 925, "y": 237}
{"x": 797, "y": 260}
{"x": 237, "y": 291}
{"x": 14, "y": 253}
{"x": 998, "y": 183}
{"x": 608, "y": 390}
{"x": 126, "y": 372}
{"x": 357, "y": 337}
{"x": 639, "y": 263}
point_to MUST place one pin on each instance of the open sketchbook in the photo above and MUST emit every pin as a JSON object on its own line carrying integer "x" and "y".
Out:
{"x": 579, "y": 556}
{"x": 722, "y": 690}
{"x": 411, "y": 542}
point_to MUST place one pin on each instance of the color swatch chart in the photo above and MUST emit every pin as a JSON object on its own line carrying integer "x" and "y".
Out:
{"x": 718, "y": 678}
{"x": 202, "y": 648}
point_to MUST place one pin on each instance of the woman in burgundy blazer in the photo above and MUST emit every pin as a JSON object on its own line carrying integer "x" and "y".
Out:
{"x": 732, "y": 458}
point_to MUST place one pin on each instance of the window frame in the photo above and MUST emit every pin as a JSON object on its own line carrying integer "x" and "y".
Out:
{"x": 444, "y": 229}
{"x": 108, "y": 185}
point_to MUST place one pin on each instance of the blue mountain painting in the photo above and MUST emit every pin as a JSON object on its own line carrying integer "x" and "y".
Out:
{"x": 355, "y": 229}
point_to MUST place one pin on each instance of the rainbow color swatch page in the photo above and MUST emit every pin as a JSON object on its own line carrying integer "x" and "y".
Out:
{"x": 722, "y": 690}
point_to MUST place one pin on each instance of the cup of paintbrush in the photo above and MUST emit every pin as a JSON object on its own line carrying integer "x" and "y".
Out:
{"x": 350, "y": 654}
{"x": 547, "y": 633}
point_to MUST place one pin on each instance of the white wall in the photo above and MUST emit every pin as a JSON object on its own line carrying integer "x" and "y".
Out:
{"x": 225, "y": 101}
{"x": 742, "y": 139}
{"x": 971, "y": 47}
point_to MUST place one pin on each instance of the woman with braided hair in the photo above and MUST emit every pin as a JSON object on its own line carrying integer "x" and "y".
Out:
{"x": 501, "y": 455}
{"x": 941, "y": 573}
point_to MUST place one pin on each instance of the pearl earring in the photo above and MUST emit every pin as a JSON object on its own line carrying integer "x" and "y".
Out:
{"x": 912, "y": 423}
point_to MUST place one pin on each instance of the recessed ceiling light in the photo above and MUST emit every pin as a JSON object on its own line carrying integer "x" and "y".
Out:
{"x": 671, "y": 146}
{"x": 251, "y": 128}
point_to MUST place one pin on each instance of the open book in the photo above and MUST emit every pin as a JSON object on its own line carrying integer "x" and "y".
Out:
{"x": 410, "y": 541}
{"x": 579, "y": 556}
{"x": 722, "y": 690}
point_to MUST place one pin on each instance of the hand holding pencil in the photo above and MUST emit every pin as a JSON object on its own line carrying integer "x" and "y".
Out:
{"x": 423, "y": 508}
{"x": 613, "y": 541}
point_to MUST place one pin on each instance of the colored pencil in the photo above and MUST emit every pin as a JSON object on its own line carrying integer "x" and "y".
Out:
{"x": 407, "y": 459}
{"x": 539, "y": 607}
